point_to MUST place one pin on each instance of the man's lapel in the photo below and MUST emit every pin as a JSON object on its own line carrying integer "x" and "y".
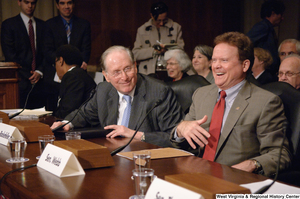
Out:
{"x": 138, "y": 104}
{"x": 112, "y": 107}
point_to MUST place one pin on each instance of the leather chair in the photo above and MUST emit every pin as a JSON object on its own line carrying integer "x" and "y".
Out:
{"x": 291, "y": 102}
{"x": 185, "y": 88}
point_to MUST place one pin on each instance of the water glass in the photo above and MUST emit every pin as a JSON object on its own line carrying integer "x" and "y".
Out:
{"x": 44, "y": 140}
{"x": 141, "y": 159}
{"x": 142, "y": 180}
{"x": 73, "y": 135}
{"x": 17, "y": 148}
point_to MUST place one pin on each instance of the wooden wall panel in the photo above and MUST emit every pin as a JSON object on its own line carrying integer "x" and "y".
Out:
{"x": 115, "y": 22}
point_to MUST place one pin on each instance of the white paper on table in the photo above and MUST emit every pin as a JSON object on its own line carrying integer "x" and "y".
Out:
{"x": 60, "y": 162}
{"x": 7, "y": 131}
{"x": 162, "y": 189}
{"x": 276, "y": 188}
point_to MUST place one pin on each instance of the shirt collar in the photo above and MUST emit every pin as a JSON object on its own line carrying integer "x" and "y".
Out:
{"x": 65, "y": 21}
{"x": 131, "y": 94}
{"x": 25, "y": 18}
{"x": 232, "y": 92}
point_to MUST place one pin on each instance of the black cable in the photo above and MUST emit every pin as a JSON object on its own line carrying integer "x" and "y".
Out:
{"x": 18, "y": 113}
{"x": 61, "y": 126}
{"x": 4, "y": 176}
{"x": 114, "y": 152}
{"x": 266, "y": 187}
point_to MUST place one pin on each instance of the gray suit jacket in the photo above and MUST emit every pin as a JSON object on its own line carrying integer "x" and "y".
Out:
{"x": 102, "y": 109}
{"x": 253, "y": 128}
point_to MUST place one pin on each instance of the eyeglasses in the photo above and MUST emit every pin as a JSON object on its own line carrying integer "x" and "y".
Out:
{"x": 172, "y": 64}
{"x": 128, "y": 70}
{"x": 287, "y": 74}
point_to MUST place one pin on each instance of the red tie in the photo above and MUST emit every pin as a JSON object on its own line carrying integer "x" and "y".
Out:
{"x": 215, "y": 128}
{"x": 31, "y": 38}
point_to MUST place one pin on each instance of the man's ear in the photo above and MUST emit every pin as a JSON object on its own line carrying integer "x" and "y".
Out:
{"x": 105, "y": 75}
{"x": 246, "y": 65}
{"x": 61, "y": 61}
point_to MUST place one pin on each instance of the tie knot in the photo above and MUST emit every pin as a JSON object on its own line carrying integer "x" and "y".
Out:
{"x": 30, "y": 21}
{"x": 222, "y": 94}
{"x": 127, "y": 98}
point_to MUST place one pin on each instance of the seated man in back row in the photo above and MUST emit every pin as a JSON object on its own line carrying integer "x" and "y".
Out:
{"x": 289, "y": 70}
{"x": 76, "y": 84}
{"x": 245, "y": 128}
{"x": 122, "y": 102}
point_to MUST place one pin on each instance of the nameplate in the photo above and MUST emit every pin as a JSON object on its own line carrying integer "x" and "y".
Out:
{"x": 60, "y": 162}
{"x": 7, "y": 131}
{"x": 162, "y": 189}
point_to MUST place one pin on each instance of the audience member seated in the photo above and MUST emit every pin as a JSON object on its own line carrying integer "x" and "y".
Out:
{"x": 263, "y": 60}
{"x": 123, "y": 100}
{"x": 202, "y": 62}
{"x": 185, "y": 88}
{"x": 178, "y": 63}
{"x": 289, "y": 70}
{"x": 76, "y": 84}
{"x": 234, "y": 122}
{"x": 288, "y": 47}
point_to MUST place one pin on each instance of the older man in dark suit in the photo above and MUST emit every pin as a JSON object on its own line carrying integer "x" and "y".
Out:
{"x": 244, "y": 129}
{"x": 22, "y": 41}
{"x": 124, "y": 99}
{"x": 66, "y": 28}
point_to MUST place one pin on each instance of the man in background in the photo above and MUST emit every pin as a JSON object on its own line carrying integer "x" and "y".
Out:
{"x": 289, "y": 70}
{"x": 263, "y": 34}
{"x": 76, "y": 85}
{"x": 66, "y": 28}
{"x": 22, "y": 42}
{"x": 288, "y": 47}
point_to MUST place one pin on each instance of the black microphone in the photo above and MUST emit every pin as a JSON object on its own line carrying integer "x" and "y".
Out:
{"x": 114, "y": 152}
{"x": 266, "y": 187}
{"x": 18, "y": 113}
{"x": 61, "y": 126}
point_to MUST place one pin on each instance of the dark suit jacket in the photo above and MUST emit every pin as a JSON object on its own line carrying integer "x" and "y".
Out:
{"x": 102, "y": 109}
{"x": 263, "y": 35}
{"x": 56, "y": 36}
{"x": 16, "y": 48}
{"x": 75, "y": 88}
{"x": 266, "y": 78}
{"x": 253, "y": 128}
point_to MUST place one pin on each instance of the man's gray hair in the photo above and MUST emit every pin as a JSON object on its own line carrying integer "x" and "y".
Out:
{"x": 114, "y": 49}
{"x": 294, "y": 41}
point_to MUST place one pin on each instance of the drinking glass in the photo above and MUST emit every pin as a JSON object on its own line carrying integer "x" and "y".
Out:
{"x": 142, "y": 180}
{"x": 141, "y": 159}
{"x": 73, "y": 135}
{"x": 17, "y": 148}
{"x": 43, "y": 141}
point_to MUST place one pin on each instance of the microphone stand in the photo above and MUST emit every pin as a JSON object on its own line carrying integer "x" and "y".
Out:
{"x": 266, "y": 187}
{"x": 18, "y": 113}
{"x": 114, "y": 152}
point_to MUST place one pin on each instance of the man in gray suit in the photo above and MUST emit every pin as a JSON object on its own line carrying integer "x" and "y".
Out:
{"x": 107, "y": 107}
{"x": 251, "y": 130}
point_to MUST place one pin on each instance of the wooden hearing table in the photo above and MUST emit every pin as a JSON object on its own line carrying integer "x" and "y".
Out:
{"x": 111, "y": 182}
